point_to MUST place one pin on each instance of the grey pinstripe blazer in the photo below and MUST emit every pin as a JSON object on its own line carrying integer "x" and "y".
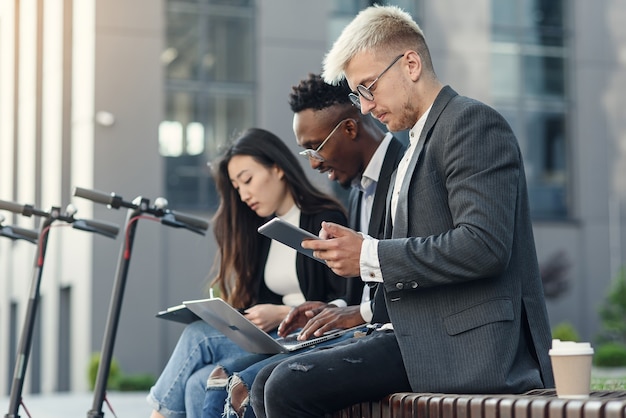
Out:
{"x": 460, "y": 270}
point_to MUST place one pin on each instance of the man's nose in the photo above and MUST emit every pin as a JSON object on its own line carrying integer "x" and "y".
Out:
{"x": 366, "y": 105}
{"x": 315, "y": 163}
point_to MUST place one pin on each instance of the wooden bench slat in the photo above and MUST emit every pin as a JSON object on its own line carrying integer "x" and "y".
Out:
{"x": 540, "y": 403}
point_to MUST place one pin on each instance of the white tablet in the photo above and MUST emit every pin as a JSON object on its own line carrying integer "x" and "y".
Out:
{"x": 288, "y": 234}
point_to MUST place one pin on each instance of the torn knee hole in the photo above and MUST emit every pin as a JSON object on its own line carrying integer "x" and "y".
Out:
{"x": 239, "y": 395}
{"x": 218, "y": 378}
{"x": 353, "y": 360}
{"x": 300, "y": 367}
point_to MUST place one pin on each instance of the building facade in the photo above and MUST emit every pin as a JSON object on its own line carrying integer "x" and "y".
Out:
{"x": 135, "y": 98}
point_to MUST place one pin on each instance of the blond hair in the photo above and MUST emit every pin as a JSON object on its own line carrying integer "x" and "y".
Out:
{"x": 377, "y": 28}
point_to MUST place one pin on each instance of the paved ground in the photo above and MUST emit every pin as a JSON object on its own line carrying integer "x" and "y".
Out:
{"x": 76, "y": 405}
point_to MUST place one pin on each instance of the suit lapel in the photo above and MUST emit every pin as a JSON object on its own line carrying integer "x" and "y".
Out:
{"x": 354, "y": 210}
{"x": 377, "y": 218}
{"x": 401, "y": 221}
{"x": 388, "y": 222}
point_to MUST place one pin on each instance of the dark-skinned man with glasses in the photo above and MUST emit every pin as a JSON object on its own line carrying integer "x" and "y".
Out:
{"x": 458, "y": 263}
{"x": 352, "y": 150}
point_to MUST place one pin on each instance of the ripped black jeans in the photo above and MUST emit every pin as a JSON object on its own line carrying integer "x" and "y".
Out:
{"x": 327, "y": 379}
{"x": 243, "y": 370}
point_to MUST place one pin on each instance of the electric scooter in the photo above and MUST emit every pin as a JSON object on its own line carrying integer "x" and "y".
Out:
{"x": 139, "y": 208}
{"x": 48, "y": 218}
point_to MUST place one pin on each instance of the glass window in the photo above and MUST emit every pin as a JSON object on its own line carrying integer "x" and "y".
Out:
{"x": 181, "y": 55}
{"x": 208, "y": 47}
{"x": 546, "y": 163}
{"x": 504, "y": 12}
{"x": 543, "y": 76}
{"x": 528, "y": 63}
{"x": 504, "y": 82}
{"x": 540, "y": 14}
{"x": 209, "y": 94}
{"x": 344, "y": 11}
{"x": 197, "y": 126}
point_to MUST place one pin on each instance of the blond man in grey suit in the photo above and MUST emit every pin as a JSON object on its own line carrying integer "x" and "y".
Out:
{"x": 458, "y": 265}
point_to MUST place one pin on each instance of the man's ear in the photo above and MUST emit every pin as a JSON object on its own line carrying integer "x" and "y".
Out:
{"x": 414, "y": 63}
{"x": 351, "y": 127}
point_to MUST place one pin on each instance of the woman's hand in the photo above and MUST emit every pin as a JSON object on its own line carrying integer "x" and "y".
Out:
{"x": 267, "y": 316}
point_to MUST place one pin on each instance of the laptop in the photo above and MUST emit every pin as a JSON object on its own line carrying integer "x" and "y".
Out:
{"x": 178, "y": 313}
{"x": 245, "y": 334}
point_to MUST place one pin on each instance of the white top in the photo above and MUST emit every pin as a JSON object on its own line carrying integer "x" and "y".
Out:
{"x": 280, "y": 268}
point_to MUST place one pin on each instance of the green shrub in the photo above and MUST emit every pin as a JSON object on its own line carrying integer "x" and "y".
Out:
{"x": 136, "y": 382}
{"x": 613, "y": 311}
{"x": 610, "y": 355}
{"x": 115, "y": 372}
{"x": 565, "y": 332}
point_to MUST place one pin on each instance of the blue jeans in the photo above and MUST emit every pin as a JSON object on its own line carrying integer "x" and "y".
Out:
{"x": 244, "y": 369}
{"x": 179, "y": 391}
{"x": 217, "y": 397}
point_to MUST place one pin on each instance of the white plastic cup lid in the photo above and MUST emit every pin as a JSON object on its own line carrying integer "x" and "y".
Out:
{"x": 570, "y": 348}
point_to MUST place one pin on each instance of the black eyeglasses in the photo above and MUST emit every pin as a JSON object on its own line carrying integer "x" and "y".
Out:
{"x": 315, "y": 153}
{"x": 365, "y": 92}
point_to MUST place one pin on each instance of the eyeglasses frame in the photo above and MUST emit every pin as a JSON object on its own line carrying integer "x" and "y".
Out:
{"x": 315, "y": 153}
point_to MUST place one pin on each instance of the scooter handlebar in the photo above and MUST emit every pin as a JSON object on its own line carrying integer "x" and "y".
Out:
{"x": 180, "y": 220}
{"x": 103, "y": 228}
{"x": 26, "y": 210}
{"x": 16, "y": 232}
{"x": 28, "y": 234}
{"x": 97, "y": 196}
{"x": 12, "y": 207}
{"x": 192, "y": 221}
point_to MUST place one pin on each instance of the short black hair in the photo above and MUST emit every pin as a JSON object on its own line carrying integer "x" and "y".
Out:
{"x": 314, "y": 93}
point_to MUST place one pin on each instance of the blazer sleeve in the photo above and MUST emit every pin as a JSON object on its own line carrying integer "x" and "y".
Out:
{"x": 317, "y": 281}
{"x": 460, "y": 205}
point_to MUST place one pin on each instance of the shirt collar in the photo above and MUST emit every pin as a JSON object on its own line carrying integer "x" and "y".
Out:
{"x": 416, "y": 130}
{"x": 372, "y": 172}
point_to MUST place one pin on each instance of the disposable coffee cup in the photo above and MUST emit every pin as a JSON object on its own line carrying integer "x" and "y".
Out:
{"x": 571, "y": 364}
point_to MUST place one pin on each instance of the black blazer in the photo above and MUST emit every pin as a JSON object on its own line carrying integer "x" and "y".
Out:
{"x": 317, "y": 281}
{"x": 394, "y": 154}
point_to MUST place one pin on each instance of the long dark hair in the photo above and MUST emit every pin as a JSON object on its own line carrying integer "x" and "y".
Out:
{"x": 235, "y": 224}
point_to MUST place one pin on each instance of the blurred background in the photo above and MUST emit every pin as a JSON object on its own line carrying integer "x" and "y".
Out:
{"x": 136, "y": 97}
